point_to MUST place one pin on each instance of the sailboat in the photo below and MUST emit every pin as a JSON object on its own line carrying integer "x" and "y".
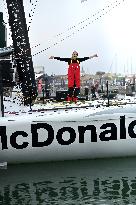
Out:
{"x": 67, "y": 134}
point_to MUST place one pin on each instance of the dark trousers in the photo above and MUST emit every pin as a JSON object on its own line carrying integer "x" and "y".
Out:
{"x": 73, "y": 91}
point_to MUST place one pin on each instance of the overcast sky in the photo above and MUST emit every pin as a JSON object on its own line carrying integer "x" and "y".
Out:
{"x": 112, "y": 36}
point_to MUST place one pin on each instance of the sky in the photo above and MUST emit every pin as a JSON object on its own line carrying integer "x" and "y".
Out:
{"x": 112, "y": 36}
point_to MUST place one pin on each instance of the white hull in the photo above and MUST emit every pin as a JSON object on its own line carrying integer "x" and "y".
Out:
{"x": 66, "y": 125}
{"x": 73, "y": 120}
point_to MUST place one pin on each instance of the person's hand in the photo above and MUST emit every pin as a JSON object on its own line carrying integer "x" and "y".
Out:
{"x": 95, "y": 55}
{"x": 51, "y": 57}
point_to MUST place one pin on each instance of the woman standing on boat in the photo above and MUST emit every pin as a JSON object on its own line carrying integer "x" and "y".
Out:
{"x": 73, "y": 74}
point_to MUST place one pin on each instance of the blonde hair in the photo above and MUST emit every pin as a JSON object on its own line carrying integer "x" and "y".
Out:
{"x": 75, "y": 52}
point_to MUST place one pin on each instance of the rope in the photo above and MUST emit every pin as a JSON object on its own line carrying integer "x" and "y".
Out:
{"x": 89, "y": 18}
{"x": 74, "y": 27}
{"x": 32, "y": 11}
{"x": 102, "y": 13}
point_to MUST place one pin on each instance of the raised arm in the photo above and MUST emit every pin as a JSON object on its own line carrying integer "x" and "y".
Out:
{"x": 51, "y": 57}
{"x": 87, "y": 58}
{"x": 60, "y": 59}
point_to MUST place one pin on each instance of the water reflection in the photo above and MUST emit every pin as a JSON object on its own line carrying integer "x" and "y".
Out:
{"x": 71, "y": 183}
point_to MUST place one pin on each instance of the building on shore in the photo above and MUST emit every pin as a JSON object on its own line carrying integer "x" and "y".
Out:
{"x": 39, "y": 69}
{"x": 59, "y": 83}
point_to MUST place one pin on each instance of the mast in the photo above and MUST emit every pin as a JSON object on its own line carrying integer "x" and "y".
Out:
{"x": 22, "y": 50}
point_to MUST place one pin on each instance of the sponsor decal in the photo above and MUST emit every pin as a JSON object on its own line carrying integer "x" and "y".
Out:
{"x": 94, "y": 136}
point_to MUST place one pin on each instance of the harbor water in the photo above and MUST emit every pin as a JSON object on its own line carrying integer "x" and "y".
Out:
{"x": 79, "y": 182}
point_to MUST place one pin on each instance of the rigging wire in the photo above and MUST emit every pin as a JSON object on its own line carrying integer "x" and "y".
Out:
{"x": 113, "y": 60}
{"x": 113, "y": 5}
{"x": 89, "y": 18}
{"x": 32, "y": 11}
{"x": 36, "y": 45}
{"x": 100, "y": 13}
{"x": 74, "y": 27}
{"x": 81, "y": 22}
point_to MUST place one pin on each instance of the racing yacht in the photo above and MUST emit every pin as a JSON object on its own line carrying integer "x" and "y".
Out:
{"x": 68, "y": 133}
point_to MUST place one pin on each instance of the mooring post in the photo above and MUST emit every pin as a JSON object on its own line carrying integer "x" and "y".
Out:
{"x": 43, "y": 94}
{"x": 1, "y": 93}
{"x": 107, "y": 85}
